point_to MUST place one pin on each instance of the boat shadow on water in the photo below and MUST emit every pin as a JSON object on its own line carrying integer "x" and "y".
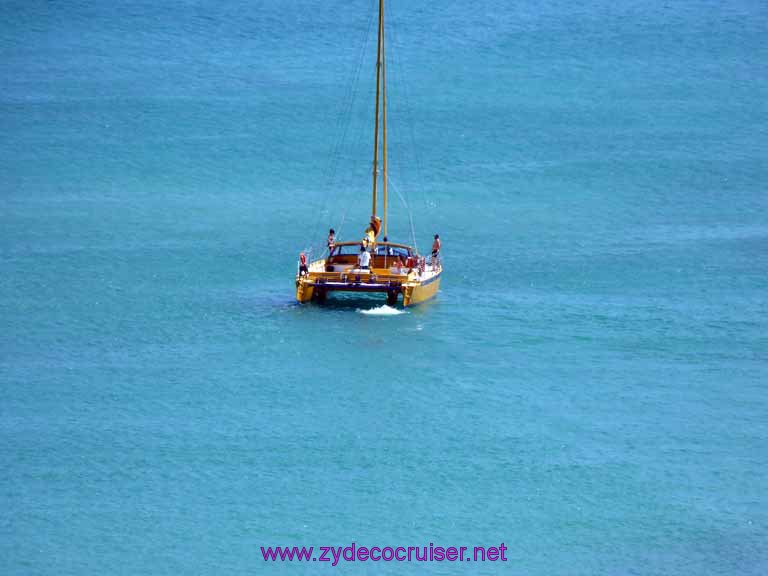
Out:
{"x": 352, "y": 303}
{"x": 372, "y": 304}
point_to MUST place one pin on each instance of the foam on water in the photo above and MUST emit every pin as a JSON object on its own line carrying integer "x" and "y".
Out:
{"x": 382, "y": 310}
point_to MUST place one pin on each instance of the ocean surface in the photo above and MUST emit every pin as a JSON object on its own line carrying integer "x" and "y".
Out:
{"x": 590, "y": 386}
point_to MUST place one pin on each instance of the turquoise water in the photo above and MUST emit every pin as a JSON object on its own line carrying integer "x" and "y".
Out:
{"x": 589, "y": 387}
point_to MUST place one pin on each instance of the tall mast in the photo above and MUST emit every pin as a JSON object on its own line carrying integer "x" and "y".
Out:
{"x": 379, "y": 55}
{"x": 384, "y": 123}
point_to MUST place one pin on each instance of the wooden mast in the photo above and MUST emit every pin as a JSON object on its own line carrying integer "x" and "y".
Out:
{"x": 379, "y": 54}
{"x": 384, "y": 123}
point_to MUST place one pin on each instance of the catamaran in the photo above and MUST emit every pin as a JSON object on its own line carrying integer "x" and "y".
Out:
{"x": 370, "y": 265}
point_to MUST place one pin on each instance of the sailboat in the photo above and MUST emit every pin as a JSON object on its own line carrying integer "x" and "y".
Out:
{"x": 372, "y": 265}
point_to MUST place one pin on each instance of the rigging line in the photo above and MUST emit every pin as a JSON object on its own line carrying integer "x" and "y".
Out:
{"x": 399, "y": 81}
{"x": 343, "y": 219}
{"x": 349, "y": 189}
{"x": 346, "y": 196}
{"x": 407, "y": 209}
{"x": 351, "y": 98}
{"x": 360, "y": 142}
{"x": 409, "y": 120}
{"x": 343, "y": 123}
{"x": 342, "y": 128}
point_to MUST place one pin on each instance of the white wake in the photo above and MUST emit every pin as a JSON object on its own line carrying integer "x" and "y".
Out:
{"x": 382, "y": 310}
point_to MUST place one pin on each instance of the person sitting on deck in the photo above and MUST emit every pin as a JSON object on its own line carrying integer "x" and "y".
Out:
{"x": 303, "y": 270}
{"x": 331, "y": 240}
{"x": 364, "y": 260}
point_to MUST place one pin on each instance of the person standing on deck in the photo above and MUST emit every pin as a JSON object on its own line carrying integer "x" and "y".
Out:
{"x": 303, "y": 270}
{"x": 364, "y": 260}
{"x": 331, "y": 240}
{"x": 436, "y": 248}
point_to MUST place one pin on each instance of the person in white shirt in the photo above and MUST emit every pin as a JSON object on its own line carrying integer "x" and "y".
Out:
{"x": 364, "y": 260}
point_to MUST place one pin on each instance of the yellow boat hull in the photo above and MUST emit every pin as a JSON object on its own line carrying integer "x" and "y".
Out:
{"x": 304, "y": 291}
{"x": 413, "y": 288}
{"x": 421, "y": 292}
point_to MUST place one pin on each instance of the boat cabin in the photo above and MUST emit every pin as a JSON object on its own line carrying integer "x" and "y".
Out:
{"x": 345, "y": 254}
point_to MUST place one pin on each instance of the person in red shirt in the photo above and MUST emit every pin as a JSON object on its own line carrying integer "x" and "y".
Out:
{"x": 436, "y": 247}
{"x": 303, "y": 270}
